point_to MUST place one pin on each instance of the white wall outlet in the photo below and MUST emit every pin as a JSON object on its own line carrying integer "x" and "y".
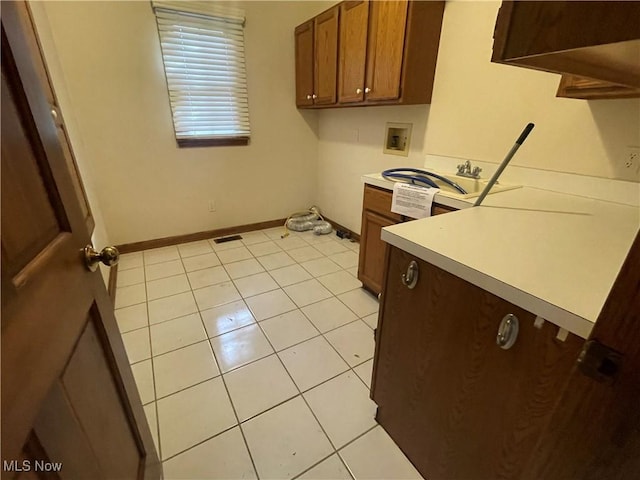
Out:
{"x": 212, "y": 205}
{"x": 632, "y": 158}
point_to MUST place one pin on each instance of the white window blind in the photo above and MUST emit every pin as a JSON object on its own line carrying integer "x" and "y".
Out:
{"x": 203, "y": 54}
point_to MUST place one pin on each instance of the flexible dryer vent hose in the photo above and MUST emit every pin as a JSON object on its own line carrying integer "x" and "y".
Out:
{"x": 307, "y": 220}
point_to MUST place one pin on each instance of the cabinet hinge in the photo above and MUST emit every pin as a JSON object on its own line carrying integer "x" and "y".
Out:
{"x": 599, "y": 362}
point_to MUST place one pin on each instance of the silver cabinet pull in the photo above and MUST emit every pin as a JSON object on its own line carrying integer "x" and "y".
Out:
{"x": 508, "y": 332}
{"x": 410, "y": 278}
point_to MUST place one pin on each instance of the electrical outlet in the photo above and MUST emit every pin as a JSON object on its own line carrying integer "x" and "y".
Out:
{"x": 212, "y": 205}
{"x": 632, "y": 158}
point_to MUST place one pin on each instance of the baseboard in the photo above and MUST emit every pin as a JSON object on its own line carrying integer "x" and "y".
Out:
{"x": 194, "y": 237}
{"x": 355, "y": 236}
{"x": 113, "y": 280}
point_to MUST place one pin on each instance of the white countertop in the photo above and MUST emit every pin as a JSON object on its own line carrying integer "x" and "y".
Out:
{"x": 553, "y": 254}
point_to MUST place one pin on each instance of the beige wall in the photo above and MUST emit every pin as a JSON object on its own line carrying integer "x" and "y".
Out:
{"x": 146, "y": 186}
{"x": 477, "y": 111}
{"x": 479, "y": 107}
{"x": 350, "y": 145}
{"x": 100, "y": 237}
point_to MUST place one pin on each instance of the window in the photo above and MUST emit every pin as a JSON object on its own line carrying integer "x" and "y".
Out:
{"x": 203, "y": 54}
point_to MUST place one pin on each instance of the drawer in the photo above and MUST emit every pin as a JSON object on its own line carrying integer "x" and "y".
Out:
{"x": 438, "y": 209}
{"x": 379, "y": 201}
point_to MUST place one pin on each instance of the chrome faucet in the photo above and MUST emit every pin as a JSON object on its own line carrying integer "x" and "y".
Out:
{"x": 465, "y": 170}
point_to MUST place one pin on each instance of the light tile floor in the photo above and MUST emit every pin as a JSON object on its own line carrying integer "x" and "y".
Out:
{"x": 253, "y": 358}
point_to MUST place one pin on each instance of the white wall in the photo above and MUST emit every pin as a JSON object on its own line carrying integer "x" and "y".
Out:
{"x": 477, "y": 111}
{"x": 147, "y": 187}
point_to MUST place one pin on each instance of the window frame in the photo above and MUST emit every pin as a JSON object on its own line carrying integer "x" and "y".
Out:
{"x": 233, "y": 16}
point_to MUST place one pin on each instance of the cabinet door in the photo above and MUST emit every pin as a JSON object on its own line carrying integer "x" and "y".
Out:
{"x": 372, "y": 250}
{"x": 589, "y": 89}
{"x": 387, "y": 27}
{"x": 326, "y": 56}
{"x": 457, "y": 404}
{"x": 304, "y": 64}
{"x": 354, "y": 17}
{"x": 596, "y": 39}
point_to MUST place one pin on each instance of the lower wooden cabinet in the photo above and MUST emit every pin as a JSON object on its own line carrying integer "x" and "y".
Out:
{"x": 372, "y": 249}
{"x": 376, "y": 214}
{"x": 457, "y": 404}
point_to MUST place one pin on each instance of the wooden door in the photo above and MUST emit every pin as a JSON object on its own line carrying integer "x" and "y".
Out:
{"x": 304, "y": 64}
{"x": 68, "y": 394}
{"x": 458, "y": 405}
{"x": 372, "y": 250}
{"x": 385, "y": 50}
{"x": 354, "y": 17}
{"x": 326, "y": 56}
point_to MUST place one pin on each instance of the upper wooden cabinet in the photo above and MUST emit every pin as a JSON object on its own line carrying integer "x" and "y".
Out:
{"x": 326, "y": 56}
{"x": 304, "y": 64}
{"x": 387, "y": 53}
{"x": 354, "y": 20}
{"x": 316, "y": 45}
{"x": 589, "y": 89}
{"x": 595, "y": 42}
{"x": 387, "y": 29}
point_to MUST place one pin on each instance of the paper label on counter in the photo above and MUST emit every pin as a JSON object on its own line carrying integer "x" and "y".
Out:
{"x": 412, "y": 200}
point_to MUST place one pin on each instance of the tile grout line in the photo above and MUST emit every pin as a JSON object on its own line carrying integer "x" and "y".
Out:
{"x": 233, "y": 407}
{"x": 224, "y": 383}
{"x": 299, "y": 391}
{"x": 185, "y": 272}
{"x": 251, "y": 363}
{"x": 222, "y": 375}
{"x": 153, "y": 372}
{"x": 243, "y": 298}
{"x": 245, "y": 326}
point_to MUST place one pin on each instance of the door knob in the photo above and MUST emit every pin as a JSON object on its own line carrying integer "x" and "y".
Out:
{"x": 358, "y": 91}
{"x": 367, "y": 90}
{"x": 314, "y": 96}
{"x": 109, "y": 256}
{"x": 308, "y": 97}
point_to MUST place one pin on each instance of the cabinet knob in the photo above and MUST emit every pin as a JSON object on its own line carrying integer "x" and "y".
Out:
{"x": 410, "y": 278}
{"x": 309, "y": 97}
{"x": 314, "y": 96}
{"x": 508, "y": 331}
{"x": 367, "y": 90}
{"x": 358, "y": 91}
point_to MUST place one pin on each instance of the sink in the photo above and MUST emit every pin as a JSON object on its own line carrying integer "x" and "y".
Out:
{"x": 473, "y": 186}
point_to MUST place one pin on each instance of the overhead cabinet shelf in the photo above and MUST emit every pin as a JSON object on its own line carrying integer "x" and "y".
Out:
{"x": 368, "y": 53}
{"x": 595, "y": 45}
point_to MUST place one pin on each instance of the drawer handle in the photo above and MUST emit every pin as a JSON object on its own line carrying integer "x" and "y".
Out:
{"x": 410, "y": 278}
{"x": 508, "y": 331}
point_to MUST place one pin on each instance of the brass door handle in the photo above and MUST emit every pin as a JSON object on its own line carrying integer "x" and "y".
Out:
{"x": 109, "y": 256}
